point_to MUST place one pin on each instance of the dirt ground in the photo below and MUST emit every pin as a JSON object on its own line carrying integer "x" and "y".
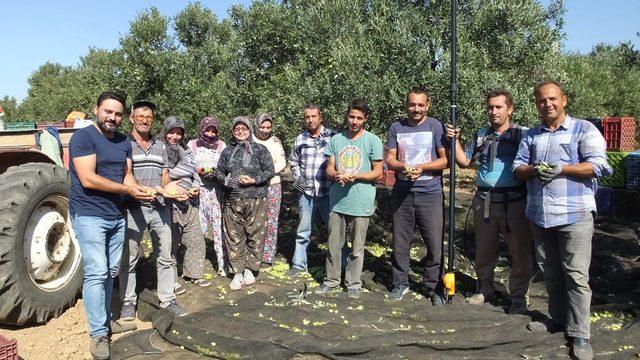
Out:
{"x": 67, "y": 337}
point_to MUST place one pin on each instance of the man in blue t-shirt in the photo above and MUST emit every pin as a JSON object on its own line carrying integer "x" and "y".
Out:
{"x": 354, "y": 164}
{"x": 100, "y": 170}
{"x": 499, "y": 203}
{"x": 415, "y": 151}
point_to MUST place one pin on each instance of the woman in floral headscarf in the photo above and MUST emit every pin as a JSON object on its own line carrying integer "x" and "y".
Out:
{"x": 206, "y": 153}
{"x": 264, "y": 136}
{"x": 245, "y": 169}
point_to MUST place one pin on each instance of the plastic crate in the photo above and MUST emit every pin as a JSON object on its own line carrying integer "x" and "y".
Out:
{"x": 603, "y": 197}
{"x": 620, "y": 133}
{"x": 8, "y": 349}
{"x": 20, "y": 125}
{"x": 633, "y": 171}
{"x": 625, "y": 203}
{"x": 616, "y": 160}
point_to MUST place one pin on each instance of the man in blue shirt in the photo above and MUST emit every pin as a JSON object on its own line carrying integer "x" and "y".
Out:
{"x": 561, "y": 159}
{"x": 498, "y": 206}
{"x": 100, "y": 170}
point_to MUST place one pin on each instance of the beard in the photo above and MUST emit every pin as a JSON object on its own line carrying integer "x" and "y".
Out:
{"x": 107, "y": 127}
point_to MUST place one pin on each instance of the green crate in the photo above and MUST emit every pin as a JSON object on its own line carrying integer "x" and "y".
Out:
{"x": 19, "y": 125}
{"x": 617, "y": 162}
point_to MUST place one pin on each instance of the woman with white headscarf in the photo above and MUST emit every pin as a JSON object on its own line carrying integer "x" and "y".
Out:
{"x": 264, "y": 135}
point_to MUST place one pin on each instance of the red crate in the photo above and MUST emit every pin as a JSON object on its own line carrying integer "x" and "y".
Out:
{"x": 8, "y": 349}
{"x": 620, "y": 133}
{"x": 388, "y": 177}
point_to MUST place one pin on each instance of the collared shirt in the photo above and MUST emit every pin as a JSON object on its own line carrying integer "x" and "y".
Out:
{"x": 498, "y": 174}
{"x": 566, "y": 199}
{"x": 309, "y": 161}
{"x": 149, "y": 164}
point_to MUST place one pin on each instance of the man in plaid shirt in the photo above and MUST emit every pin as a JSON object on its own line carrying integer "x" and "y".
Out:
{"x": 308, "y": 164}
{"x": 561, "y": 159}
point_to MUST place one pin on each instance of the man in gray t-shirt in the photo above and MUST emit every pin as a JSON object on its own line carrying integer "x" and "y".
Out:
{"x": 416, "y": 152}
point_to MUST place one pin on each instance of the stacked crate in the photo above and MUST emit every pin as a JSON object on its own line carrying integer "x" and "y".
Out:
{"x": 619, "y": 195}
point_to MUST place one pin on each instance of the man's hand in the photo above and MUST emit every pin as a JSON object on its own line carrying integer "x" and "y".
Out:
{"x": 451, "y": 132}
{"x": 343, "y": 179}
{"x": 142, "y": 193}
{"x": 546, "y": 172}
{"x": 246, "y": 180}
{"x": 412, "y": 172}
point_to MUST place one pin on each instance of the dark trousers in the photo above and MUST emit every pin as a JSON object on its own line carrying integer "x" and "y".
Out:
{"x": 425, "y": 211}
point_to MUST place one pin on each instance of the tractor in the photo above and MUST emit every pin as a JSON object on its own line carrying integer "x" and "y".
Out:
{"x": 40, "y": 260}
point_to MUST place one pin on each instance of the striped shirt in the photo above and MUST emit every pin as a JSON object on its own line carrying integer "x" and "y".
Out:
{"x": 566, "y": 199}
{"x": 185, "y": 170}
{"x": 149, "y": 164}
{"x": 309, "y": 161}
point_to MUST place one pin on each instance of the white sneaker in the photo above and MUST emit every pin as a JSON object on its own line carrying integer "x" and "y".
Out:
{"x": 237, "y": 282}
{"x": 248, "y": 277}
{"x": 222, "y": 273}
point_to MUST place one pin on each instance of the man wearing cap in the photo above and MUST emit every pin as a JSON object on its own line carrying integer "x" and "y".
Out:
{"x": 308, "y": 165}
{"x": 101, "y": 172}
{"x": 149, "y": 167}
{"x": 498, "y": 206}
{"x": 560, "y": 159}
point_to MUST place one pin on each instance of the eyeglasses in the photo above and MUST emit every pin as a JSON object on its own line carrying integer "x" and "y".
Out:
{"x": 238, "y": 129}
{"x": 142, "y": 117}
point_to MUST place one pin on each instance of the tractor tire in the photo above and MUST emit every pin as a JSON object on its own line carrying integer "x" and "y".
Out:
{"x": 40, "y": 260}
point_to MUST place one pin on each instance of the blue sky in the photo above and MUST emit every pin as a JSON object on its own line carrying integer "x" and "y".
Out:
{"x": 34, "y": 32}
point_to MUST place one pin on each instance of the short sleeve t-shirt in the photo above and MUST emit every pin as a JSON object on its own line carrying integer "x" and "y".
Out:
{"x": 111, "y": 160}
{"x": 417, "y": 145}
{"x": 354, "y": 157}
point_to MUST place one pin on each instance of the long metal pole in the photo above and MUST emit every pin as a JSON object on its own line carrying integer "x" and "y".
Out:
{"x": 453, "y": 112}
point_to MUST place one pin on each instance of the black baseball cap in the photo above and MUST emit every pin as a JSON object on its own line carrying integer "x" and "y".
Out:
{"x": 146, "y": 103}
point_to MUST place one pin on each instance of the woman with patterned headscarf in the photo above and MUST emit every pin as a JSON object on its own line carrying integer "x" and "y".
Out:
{"x": 245, "y": 169}
{"x": 264, "y": 136}
{"x": 186, "y": 229}
{"x": 206, "y": 153}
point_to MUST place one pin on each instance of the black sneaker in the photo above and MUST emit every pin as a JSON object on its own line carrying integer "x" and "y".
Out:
{"x": 99, "y": 347}
{"x": 518, "y": 308}
{"x": 581, "y": 349}
{"x": 128, "y": 311}
{"x": 398, "y": 292}
{"x": 324, "y": 289}
{"x": 353, "y": 293}
{"x": 548, "y": 325}
{"x": 438, "y": 298}
{"x": 176, "y": 309}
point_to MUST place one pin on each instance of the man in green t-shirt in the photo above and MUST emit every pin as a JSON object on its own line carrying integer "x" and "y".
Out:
{"x": 354, "y": 164}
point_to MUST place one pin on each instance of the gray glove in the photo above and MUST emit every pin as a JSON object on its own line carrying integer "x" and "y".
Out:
{"x": 546, "y": 172}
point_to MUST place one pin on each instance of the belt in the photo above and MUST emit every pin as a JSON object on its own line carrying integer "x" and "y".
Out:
{"x": 505, "y": 200}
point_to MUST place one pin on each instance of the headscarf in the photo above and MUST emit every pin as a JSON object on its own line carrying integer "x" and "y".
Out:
{"x": 259, "y": 120}
{"x": 175, "y": 152}
{"x": 245, "y": 145}
{"x": 210, "y": 142}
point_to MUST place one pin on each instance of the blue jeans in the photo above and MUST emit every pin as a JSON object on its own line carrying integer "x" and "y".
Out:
{"x": 310, "y": 208}
{"x": 101, "y": 246}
